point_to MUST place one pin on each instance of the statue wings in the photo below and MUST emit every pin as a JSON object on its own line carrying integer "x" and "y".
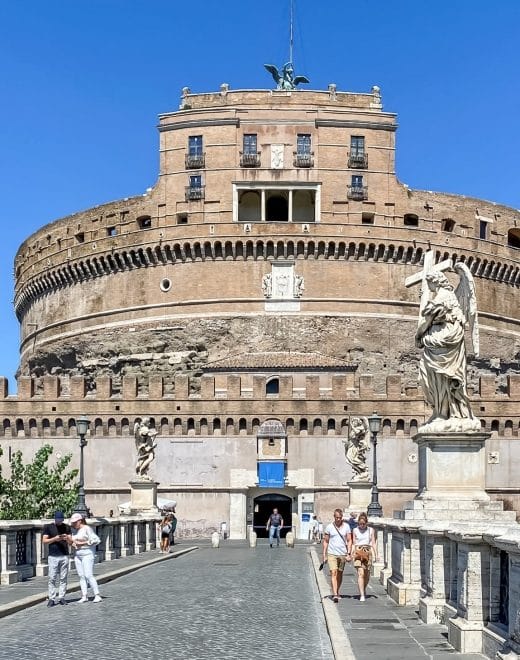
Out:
{"x": 465, "y": 293}
{"x": 274, "y": 72}
{"x": 300, "y": 79}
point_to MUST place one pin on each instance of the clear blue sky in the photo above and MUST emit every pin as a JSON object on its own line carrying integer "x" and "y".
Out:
{"x": 83, "y": 81}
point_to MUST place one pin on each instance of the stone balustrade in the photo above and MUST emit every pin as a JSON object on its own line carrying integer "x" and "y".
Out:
{"x": 465, "y": 575}
{"x": 23, "y": 555}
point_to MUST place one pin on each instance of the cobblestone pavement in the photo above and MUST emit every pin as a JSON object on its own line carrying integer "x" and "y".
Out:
{"x": 234, "y": 602}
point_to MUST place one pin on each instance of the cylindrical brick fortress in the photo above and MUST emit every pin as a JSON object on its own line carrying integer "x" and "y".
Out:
{"x": 255, "y": 183}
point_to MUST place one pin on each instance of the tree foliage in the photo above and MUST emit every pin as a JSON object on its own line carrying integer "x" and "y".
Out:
{"x": 36, "y": 489}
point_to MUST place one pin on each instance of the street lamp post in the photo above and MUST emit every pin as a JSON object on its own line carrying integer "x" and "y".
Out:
{"x": 374, "y": 508}
{"x": 82, "y": 424}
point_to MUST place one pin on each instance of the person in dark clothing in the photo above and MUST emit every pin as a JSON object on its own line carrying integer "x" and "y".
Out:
{"x": 57, "y": 536}
{"x": 274, "y": 526}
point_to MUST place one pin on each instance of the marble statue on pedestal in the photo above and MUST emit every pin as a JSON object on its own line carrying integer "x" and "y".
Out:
{"x": 444, "y": 314}
{"x": 145, "y": 444}
{"x": 357, "y": 446}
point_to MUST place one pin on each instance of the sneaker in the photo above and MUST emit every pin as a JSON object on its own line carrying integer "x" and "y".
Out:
{"x": 270, "y": 545}
{"x": 62, "y": 601}
{"x": 50, "y": 603}
{"x": 362, "y": 599}
{"x": 97, "y": 599}
{"x": 335, "y": 599}
{"x": 83, "y": 599}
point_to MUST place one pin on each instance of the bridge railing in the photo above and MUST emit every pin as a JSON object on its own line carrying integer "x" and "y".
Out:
{"x": 23, "y": 554}
{"x": 465, "y": 575}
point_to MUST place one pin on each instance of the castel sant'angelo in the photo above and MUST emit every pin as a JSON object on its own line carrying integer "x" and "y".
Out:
{"x": 250, "y": 303}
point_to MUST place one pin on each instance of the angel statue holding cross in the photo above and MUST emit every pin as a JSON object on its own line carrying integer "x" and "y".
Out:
{"x": 444, "y": 315}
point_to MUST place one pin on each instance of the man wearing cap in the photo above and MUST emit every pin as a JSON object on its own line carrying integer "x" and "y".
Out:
{"x": 57, "y": 536}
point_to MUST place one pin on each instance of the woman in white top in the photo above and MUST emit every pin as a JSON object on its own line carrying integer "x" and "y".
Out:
{"x": 362, "y": 550}
{"x": 84, "y": 542}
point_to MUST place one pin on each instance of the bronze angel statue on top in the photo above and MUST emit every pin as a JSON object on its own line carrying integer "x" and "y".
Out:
{"x": 285, "y": 78}
{"x": 441, "y": 335}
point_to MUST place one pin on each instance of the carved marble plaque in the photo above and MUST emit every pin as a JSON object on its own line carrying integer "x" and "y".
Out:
{"x": 277, "y": 156}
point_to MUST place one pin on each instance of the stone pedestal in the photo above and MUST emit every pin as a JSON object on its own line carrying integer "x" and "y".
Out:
{"x": 452, "y": 466}
{"x": 360, "y": 495}
{"x": 143, "y": 497}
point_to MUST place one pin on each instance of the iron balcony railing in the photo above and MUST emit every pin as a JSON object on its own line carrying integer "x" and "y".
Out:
{"x": 303, "y": 159}
{"x": 357, "y": 192}
{"x": 195, "y": 161}
{"x": 250, "y": 159}
{"x": 194, "y": 193}
{"x": 358, "y": 161}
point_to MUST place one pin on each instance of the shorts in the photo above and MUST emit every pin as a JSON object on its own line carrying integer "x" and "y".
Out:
{"x": 336, "y": 562}
{"x": 165, "y": 535}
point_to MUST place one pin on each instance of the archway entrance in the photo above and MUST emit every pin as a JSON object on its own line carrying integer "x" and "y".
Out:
{"x": 263, "y": 506}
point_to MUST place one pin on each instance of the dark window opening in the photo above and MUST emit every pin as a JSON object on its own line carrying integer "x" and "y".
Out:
{"x": 483, "y": 229}
{"x": 144, "y": 222}
{"x": 513, "y": 238}
{"x": 80, "y": 237}
{"x": 411, "y": 220}
{"x": 368, "y": 218}
{"x": 272, "y": 386}
{"x": 447, "y": 224}
{"x": 111, "y": 231}
{"x": 277, "y": 209}
{"x": 182, "y": 218}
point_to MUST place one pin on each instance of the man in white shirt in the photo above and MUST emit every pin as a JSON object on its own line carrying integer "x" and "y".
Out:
{"x": 335, "y": 542}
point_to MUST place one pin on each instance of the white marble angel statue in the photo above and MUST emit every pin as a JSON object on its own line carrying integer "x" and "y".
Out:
{"x": 357, "y": 446}
{"x": 145, "y": 444}
{"x": 440, "y": 334}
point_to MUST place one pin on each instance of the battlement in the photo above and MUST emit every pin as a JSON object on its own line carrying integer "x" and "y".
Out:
{"x": 331, "y": 386}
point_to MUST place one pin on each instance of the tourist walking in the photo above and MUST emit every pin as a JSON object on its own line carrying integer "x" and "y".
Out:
{"x": 363, "y": 550}
{"x": 57, "y": 536}
{"x": 84, "y": 542}
{"x": 274, "y": 526}
{"x": 166, "y": 528}
{"x": 335, "y": 543}
{"x": 173, "y": 523}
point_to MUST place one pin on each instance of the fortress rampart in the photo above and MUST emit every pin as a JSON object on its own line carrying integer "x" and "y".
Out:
{"x": 317, "y": 404}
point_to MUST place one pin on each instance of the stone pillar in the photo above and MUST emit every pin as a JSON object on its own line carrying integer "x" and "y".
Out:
{"x": 360, "y": 495}
{"x": 8, "y": 572}
{"x": 379, "y": 565}
{"x": 41, "y": 567}
{"x": 404, "y": 585}
{"x": 444, "y": 455}
{"x": 510, "y": 543}
{"x": 237, "y": 514}
{"x": 436, "y": 555}
{"x": 143, "y": 497}
{"x": 125, "y": 539}
{"x": 465, "y": 631}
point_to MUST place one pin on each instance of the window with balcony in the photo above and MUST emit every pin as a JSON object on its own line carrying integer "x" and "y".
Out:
{"x": 195, "y": 190}
{"x": 195, "y": 155}
{"x": 303, "y": 156}
{"x": 249, "y": 156}
{"x": 357, "y": 191}
{"x": 357, "y": 158}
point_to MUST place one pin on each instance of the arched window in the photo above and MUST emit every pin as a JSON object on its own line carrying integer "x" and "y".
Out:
{"x": 98, "y": 426}
{"x": 191, "y": 426}
{"x": 165, "y": 430}
{"x": 33, "y": 428}
{"x": 59, "y": 427}
{"x": 303, "y": 426}
{"x": 242, "y": 426}
{"x": 387, "y": 427}
{"x": 204, "y": 426}
{"x": 112, "y": 428}
{"x": 411, "y": 220}
{"x": 46, "y": 428}
{"x": 272, "y": 386}
{"x": 216, "y": 426}
{"x": 230, "y": 426}
{"x": 125, "y": 426}
{"x": 331, "y": 426}
{"x": 177, "y": 426}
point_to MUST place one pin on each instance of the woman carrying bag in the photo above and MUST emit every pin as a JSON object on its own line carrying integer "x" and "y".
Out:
{"x": 363, "y": 551}
{"x": 84, "y": 542}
